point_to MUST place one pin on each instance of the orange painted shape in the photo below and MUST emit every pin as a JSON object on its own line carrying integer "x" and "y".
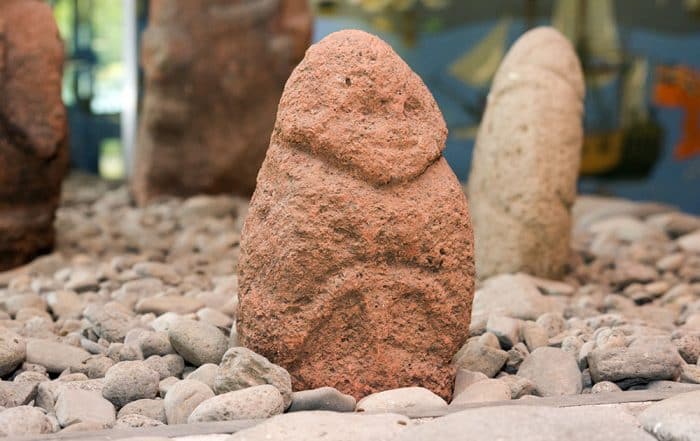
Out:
{"x": 680, "y": 87}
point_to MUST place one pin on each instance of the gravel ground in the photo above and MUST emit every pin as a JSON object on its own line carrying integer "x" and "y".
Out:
{"x": 128, "y": 324}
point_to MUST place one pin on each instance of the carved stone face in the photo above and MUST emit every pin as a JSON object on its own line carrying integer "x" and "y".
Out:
{"x": 356, "y": 267}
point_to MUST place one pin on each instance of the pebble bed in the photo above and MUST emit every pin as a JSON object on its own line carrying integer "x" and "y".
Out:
{"x": 129, "y": 323}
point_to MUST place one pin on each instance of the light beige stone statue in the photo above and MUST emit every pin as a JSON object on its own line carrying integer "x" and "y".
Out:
{"x": 526, "y": 159}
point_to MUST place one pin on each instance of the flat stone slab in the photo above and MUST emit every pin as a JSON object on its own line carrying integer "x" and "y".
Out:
{"x": 327, "y": 426}
{"x": 675, "y": 419}
{"x": 531, "y": 423}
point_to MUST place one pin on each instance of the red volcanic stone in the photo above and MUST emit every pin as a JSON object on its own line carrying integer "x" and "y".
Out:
{"x": 33, "y": 129}
{"x": 214, "y": 73}
{"x": 356, "y": 268}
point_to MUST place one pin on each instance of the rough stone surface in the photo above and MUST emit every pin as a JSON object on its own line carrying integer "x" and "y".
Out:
{"x": 183, "y": 397}
{"x": 135, "y": 421}
{"x": 505, "y": 328}
{"x": 553, "y": 371}
{"x": 16, "y": 394}
{"x": 236, "y": 59}
{"x": 150, "y": 408}
{"x": 367, "y": 281}
{"x": 206, "y": 373}
{"x": 250, "y": 403}
{"x": 519, "y": 386}
{"x": 242, "y": 368}
{"x": 465, "y": 378}
{"x": 479, "y": 357}
{"x": 197, "y": 342}
{"x": 128, "y": 381}
{"x": 531, "y": 423}
{"x": 674, "y": 419}
{"x": 397, "y": 400}
{"x": 511, "y": 295}
{"x": 81, "y": 406}
{"x": 49, "y": 391}
{"x": 644, "y": 360}
{"x": 171, "y": 365}
{"x": 24, "y": 421}
{"x": 534, "y": 335}
{"x": 605, "y": 386}
{"x": 33, "y": 130}
{"x": 326, "y": 426}
{"x": 54, "y": 356}
{"x": 323, "y": 398}
{"x": 483, "y": 391}
{"x": 526, "y": 159}
{"x": 13, "y": 350}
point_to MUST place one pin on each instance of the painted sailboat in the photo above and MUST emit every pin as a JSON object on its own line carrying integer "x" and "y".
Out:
{"x": 631, "y": 148}
{"x": 477, "y": 67}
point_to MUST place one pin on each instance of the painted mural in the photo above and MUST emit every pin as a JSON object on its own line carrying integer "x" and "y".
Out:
{"x": 641, "y": 60}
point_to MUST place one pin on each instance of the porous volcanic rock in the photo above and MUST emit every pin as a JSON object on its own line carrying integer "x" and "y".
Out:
{"x": 33, "y": 130}
{"x": 356, "y": 268}
{"x": 214, "y": 72}
{"x": 526, "y": 159}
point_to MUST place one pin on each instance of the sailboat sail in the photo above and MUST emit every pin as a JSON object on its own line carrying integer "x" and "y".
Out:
{"x": 597, "y": 31}
{"x": 634, "y": 107}
{"x": 478, "y": 65}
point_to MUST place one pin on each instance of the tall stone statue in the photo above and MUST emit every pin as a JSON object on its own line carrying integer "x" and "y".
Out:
{"x": 33, "y": 129}
{"x": 356, "y": 266}
{"x": 214, "y": 73}
{"x": 526, "y": 159}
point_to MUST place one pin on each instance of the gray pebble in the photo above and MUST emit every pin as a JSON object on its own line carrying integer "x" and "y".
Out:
{"x": 24, "y": 421}
{"x": 48, "y": 391}
{"x": 183, "y": 397}
{"x": 170, "y": 365}
{"x": 128, "y": 381}
{"x": 205, "y": 373}
{"x": 553, "y": 371}
{"x": 483, "y": 391}
{"x": 478, "y": 357}
{"x": 465, "y": 378}
{"x": 108, "y": 322}
{"x": 689, "y": 347}
{"x": 397, "y": 400}
{"x": 168, "y": 303}
{"x": 506, "y": 329}
{"x": 516, "y": 355}
{"x": 197, "y": 342}
{"x": 135, "y": 421}
{"x": 553, "y": 323}
{"x": 81, "y": 406}
{"x": 12, "y": 351}
{"x": 323, "y": 398}
{"x": 534, "y": 335}
{"x": 150, "y": 408}
{"x": 519, "y": 386}
{"x": 124, "y": 352}
{"x": 13, "y": 393}
{"x": 165, "y": 385}
{"x": 605, "y": 386}
{"x": 55, "y": 357}
{"x": 254, "y": 402}
{"x": 646, "y": 359}
{"x": 242, "y": 368}
{"x": 150, "y": 342}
